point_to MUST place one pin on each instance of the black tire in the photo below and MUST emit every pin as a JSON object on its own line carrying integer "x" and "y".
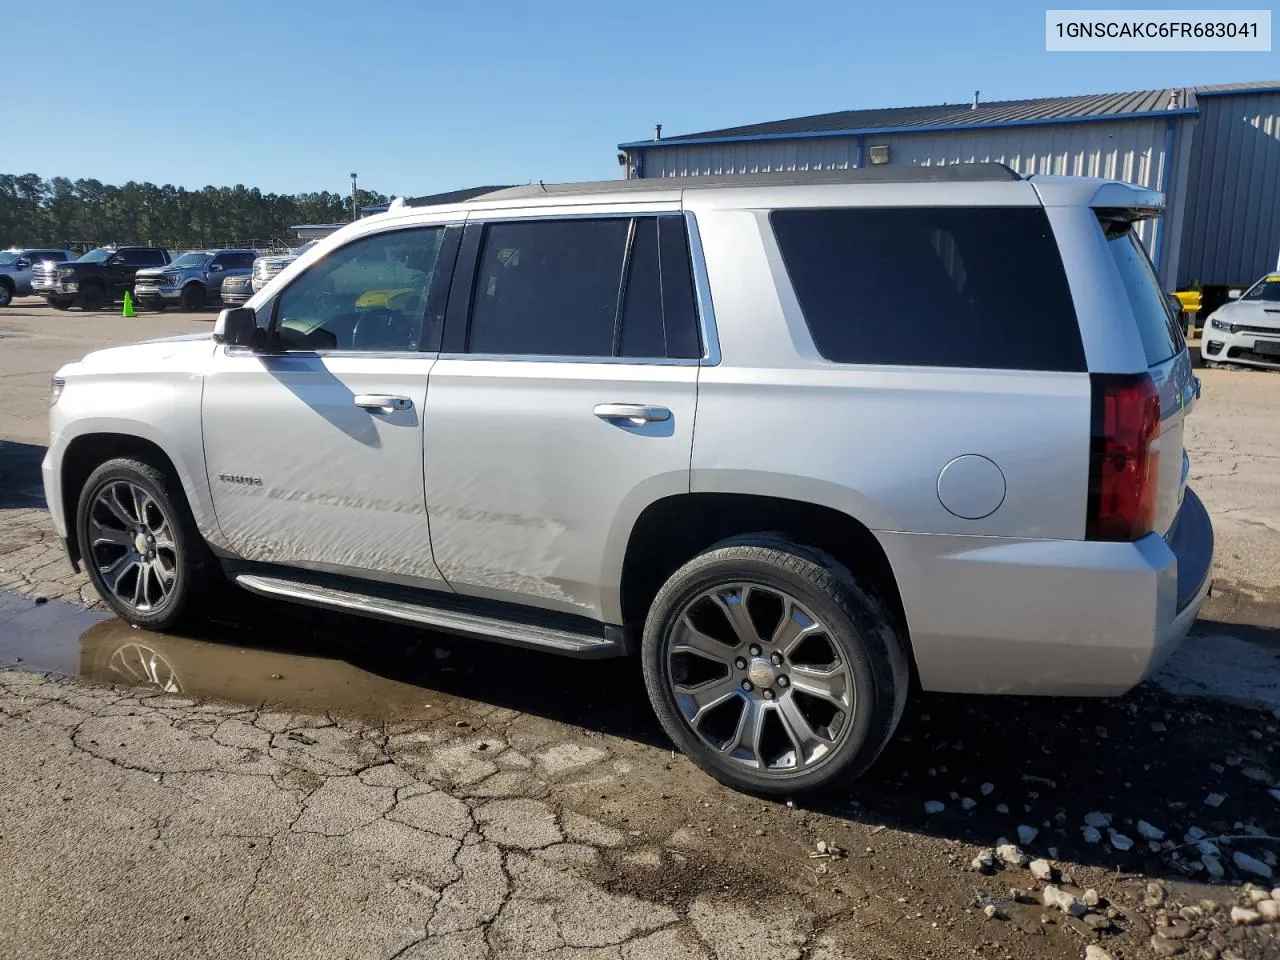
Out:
{"x": 91, "y": 297}
{"x": 193, "y": 296}
{"x": 159, "y": 306}
{"x": 6, "y": 293}
{"x": 195, "y": 570}
{"x": 58, "y": 304}
{"x": 859, "y": 630}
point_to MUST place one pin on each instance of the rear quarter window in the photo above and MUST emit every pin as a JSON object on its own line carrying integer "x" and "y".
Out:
{"x": 975, "y": 287}
{"x": 1157, "y": 325}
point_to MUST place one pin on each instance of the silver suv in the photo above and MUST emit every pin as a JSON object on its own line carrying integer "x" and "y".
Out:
{"x": 792, "y": 439}
{"x": 192, "y": 280}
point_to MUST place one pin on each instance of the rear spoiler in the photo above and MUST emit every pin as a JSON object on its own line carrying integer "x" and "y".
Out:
{"x": 1125, "y": 201}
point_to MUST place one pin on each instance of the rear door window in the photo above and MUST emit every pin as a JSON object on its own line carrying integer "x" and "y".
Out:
{"x": 975, "y": 287}
{"x": 1157, "y": 324}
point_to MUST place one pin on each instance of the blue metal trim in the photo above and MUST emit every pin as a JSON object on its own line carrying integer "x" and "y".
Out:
{"x": 914, "y": 128}
{"x": 857, "y": 153}
{"x": 1162, "y": 185}
{"x": 1242, "y": 92}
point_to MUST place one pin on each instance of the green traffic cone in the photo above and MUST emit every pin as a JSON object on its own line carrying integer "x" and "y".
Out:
{"x": 128, "y": 305}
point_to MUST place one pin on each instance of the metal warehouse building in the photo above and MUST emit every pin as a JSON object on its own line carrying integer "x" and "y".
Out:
{"x": 1214, "y": 152}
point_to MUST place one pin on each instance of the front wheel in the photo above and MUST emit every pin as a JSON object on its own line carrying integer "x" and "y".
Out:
{"x": 92, "y": 297}
{"x": 6, "y": 294}
{"x": 140, "y": 545}
{"x": 193, "y": 297}
{"x": 771, "y": 668}
{"x": 58, "y": 304}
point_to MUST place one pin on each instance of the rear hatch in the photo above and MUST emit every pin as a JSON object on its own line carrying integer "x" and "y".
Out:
{"x": 1168, "y": 361}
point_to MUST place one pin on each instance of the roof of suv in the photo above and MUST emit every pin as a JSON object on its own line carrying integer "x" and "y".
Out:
{"x": 952, "y": 173}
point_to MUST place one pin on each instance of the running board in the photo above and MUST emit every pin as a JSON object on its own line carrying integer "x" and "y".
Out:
{"x": 607, "y": 642}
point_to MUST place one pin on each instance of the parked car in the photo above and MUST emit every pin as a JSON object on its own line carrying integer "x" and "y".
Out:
{"x": 892, "y": 470}
{"x": 192, "y": 280}
{"x": 266, "y": 267}
{"x": 97, "y": 279}
{"x": 1246, "y": 329}
{"x": 16, "y": 267}
{"x": 236, "y": 290}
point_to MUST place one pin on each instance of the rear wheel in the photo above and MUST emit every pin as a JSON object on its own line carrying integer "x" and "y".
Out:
{"x": 92, "y": 297}
{"x": 771, "y": 668}
{"x": 58, "y": 304}
{"x": 140, "y": 544}
{"x": 6, "y": 293}
{"x": 193, "y": 297}
{"x": 159, "y": 306}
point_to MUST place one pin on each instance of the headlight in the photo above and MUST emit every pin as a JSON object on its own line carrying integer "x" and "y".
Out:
{"x": 66, "y": 273}
{"x": 169, "y": 279}
{"x": 55, "y": 389}
{"x": 1222, "y": 325}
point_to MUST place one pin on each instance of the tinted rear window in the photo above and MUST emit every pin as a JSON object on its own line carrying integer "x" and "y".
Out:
{"x": 932, "y": 286}
{"x": 1161, "y": 335}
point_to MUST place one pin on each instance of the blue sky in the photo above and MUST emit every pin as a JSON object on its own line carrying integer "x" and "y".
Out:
{"x": 419, "y": 97}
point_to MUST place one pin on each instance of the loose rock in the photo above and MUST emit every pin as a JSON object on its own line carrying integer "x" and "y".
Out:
{"x": 1245, "y": 918}
{"x": 1214, "y": 867}
{"x": 1269, "y": 910}
{"x": 1120, "y": 841}
{"x": 985, "y": 860}
{"x": 1018, "y": 895}
{"x": 1090, "y": 834}
{"x": 1011, "y": 855}
{"x": 1193, "y": 834}
{"x": 1214, "y": 800}
{"x": 934, "y": 806}
{"x": 1250, "y": 864}
{"x": 991, "y": 911}
{"x": 1091, "y": 898}
{"x": 1149, "y": 831}
{"x": 1275, "y": 894}
{"x": 968, "y": 803}
{"x": 1095, "y": 952}
{"x": 1026, "y": 834}
{"x": 1098, "y": 819}
{"x": 1042, "y": 869}
{"x": 1096, "y": 922}
{"x": 1256, "y": 773}
{"x": 986, "y": 789}
{"x": 1166, "y": 948}
{"x": 1002, "y": 808}
{"x": 1054, "y": 897}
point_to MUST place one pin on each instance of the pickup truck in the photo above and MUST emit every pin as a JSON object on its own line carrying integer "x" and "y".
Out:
{"x": 192, "y": 280}
{"x": 16, "y": 267}
{"x": 97, "y": 279}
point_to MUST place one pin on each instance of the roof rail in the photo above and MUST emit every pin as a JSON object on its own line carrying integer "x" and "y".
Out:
{"x": 951, "y": 173}
{"x": 452, "y": 196}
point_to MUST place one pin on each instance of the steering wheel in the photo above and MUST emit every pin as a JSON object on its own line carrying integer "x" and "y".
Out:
{"x": 379, "y": 327}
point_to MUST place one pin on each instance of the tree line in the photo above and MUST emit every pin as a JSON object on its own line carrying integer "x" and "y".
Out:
{"x": 80, "y": 214}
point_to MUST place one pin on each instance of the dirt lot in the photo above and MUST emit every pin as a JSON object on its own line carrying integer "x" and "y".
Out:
{"x": 283, "y": 783}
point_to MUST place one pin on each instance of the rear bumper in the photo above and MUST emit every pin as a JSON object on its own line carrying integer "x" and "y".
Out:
{"x": 1052, "y": 617}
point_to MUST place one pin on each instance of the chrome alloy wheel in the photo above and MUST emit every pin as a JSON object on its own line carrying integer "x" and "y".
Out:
{"x": 131, "y": 546}
{"x": 758, "y": 678}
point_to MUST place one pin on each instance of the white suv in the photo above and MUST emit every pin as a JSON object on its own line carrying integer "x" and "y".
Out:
{"x": 796, "y": 439}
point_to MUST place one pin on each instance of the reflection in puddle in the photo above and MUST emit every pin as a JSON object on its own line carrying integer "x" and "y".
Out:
{"x": 265, "y": 654}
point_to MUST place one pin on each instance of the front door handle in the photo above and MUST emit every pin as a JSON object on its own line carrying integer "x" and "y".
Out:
{"x": 378, "y": 401}
{"x": 636, "y": 413}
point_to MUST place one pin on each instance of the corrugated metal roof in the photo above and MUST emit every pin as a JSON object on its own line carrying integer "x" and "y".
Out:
{"x": 1098, "y": 106}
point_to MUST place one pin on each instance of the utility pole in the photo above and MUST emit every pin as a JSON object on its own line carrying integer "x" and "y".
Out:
{"x": 355, "y": 209}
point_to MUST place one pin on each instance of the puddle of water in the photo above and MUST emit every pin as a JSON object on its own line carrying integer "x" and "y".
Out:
{"x": 265, "y": 654}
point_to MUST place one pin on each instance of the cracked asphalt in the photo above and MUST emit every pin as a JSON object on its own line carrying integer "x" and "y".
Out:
{"x": 286, "y": 783}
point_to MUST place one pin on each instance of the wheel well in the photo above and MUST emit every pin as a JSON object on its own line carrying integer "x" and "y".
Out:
{"x": 6, "y": 282}
{"x": 85, "y": 454}
{"x": 674, "y": 530}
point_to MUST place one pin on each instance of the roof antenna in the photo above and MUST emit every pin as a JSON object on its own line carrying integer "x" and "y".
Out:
{"x": 975, "y": 99}
{"x": 543, "y": 186}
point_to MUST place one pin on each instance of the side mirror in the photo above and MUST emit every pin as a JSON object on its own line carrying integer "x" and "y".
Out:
{"x": 115, "y": 261}
{"x": 21, "y": 263}
{"x": 1234, "y": 294}
{"x": 237, "y": 327}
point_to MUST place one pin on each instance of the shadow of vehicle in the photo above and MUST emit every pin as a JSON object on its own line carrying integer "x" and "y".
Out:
{"x": 20, "y": 481}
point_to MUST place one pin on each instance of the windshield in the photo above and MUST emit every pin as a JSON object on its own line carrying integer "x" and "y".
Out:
{"x": 299, "y": 251}
{"x": 97, "y": 256}
{"x": 1268, "y": 288}
{"x": 7, "y": 257}
{"x": 196, "y": 258}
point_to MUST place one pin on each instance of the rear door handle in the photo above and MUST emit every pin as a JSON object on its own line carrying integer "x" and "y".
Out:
{"x": 378, "y": 401}
{"x": 636, "y": 413}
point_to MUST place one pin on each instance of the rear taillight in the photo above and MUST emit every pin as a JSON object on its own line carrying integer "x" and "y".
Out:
{"x": 1123, "y": 464}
